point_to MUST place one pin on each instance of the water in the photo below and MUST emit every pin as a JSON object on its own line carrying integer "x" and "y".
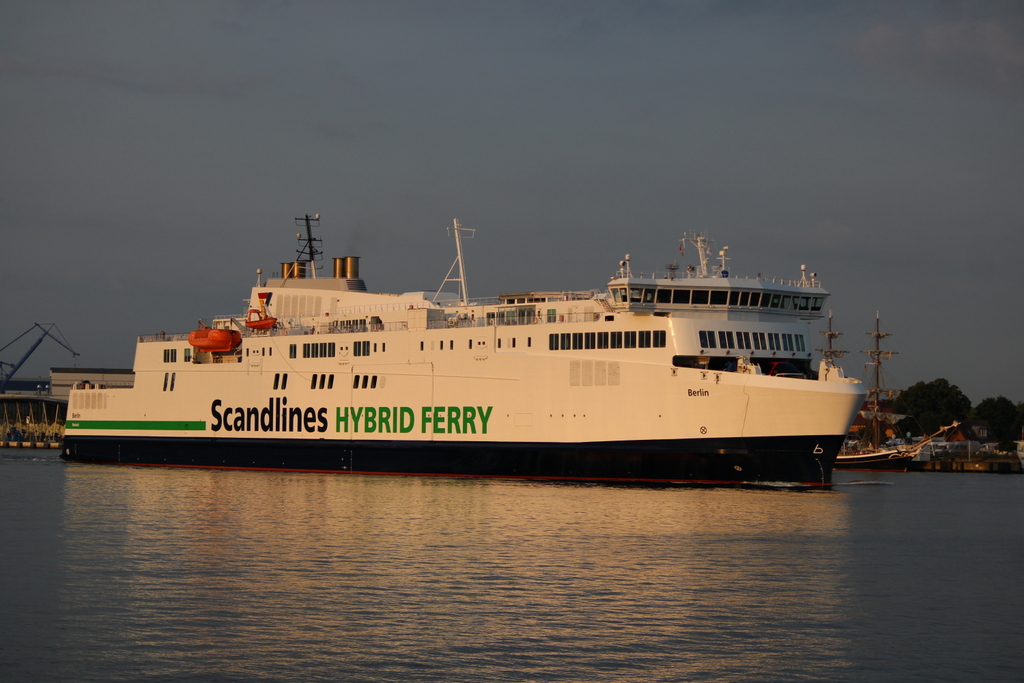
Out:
{"x": 139, "y": 574}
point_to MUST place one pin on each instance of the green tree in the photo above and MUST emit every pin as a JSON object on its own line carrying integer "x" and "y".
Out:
{"x": 1001, "y": 415}
{"x": 931, "y": 405}
{"x": 1017, "y": 430}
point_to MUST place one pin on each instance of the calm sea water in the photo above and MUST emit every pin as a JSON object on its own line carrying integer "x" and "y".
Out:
{"x": 139, "y": 574}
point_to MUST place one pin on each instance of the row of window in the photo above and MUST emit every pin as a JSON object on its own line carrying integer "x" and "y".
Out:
{"x": 757, "y": 341}
{"x": 171, "y": 355}
{"x": 716, "y": 297}
{"x": 644, "y": 339}
{"x": 366, "y": 381}
{"x": 330, "y": 350}
{"x": 451, "y": 344}
{"x": 512, "y": 341}
{"x": 314, "y": 350}
{"x": 328, "y": 379}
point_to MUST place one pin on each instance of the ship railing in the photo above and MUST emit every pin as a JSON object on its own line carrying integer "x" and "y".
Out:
{"x": 483, "y": 301}
{"x": 657, "y": 275}
{"x": 163, "y": 336}
{"x": 334, "y": 328}
{"x": 104, "y": 385}
{"x": 380, "y": 308}
{"x": 509, "y": 321}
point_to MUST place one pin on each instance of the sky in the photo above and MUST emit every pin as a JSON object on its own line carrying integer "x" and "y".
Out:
{"x": 153, "y": 155}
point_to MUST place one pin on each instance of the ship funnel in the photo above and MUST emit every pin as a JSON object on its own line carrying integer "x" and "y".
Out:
{"x": 347, "y": 268}
{"x": 296, "y": 269}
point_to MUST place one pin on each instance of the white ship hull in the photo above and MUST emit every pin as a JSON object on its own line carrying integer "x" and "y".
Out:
{"x": 566, "y": 386}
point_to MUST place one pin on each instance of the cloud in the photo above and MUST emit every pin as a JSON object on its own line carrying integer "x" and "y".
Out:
{"x": 976, "y": 55}
{"x": 124, "y": 79}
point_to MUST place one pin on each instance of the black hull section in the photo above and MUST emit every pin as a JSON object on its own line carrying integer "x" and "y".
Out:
{"x": 803, "y": 461}
{"x": 869, "y": 464}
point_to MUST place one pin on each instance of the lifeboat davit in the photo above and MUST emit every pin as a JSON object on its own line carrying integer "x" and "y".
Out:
{"x": 257, "y": 320}
{"x": 209, "y": 339}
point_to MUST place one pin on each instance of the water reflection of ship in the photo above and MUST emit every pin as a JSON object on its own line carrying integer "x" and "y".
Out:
{"x": 876, "y": 445}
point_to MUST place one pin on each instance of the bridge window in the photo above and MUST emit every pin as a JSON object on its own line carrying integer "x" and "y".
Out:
{"x": 719, "y": 298}
{"x": 700, "y": 297}
{"x": 664, "y": 296}
{"x": 681, "y": 296}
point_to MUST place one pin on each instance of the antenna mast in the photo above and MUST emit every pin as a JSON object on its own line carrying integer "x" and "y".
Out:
{"x": 310, "y": 250}
{"x": 703, "y": 245}
{"x": 461, "y": 279}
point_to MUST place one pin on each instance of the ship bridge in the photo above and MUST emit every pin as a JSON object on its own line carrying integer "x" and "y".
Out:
{"x": 799, "y": 298}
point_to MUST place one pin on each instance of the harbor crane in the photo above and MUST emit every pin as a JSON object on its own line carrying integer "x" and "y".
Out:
{"x": 6, "y": 375}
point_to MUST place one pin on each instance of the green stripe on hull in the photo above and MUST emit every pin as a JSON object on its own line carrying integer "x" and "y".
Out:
{"x": 141, "y": 425}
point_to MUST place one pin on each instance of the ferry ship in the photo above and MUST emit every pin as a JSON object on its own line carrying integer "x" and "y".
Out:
{"x": 689, "y": 376}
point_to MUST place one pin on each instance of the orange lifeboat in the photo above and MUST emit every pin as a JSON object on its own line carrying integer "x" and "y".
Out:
{"x": 209, "y": 339}
{"x": 258, "y": 320}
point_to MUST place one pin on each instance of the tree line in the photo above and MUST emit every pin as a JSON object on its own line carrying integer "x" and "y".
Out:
{"x": 936, "y": 404}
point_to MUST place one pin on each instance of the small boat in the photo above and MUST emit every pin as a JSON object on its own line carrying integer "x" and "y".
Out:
{"x": 210, "y": 339}
{"x": 257, "y": 318}
{"x": 891, "y": 459}
{"x": 256, "y": 321}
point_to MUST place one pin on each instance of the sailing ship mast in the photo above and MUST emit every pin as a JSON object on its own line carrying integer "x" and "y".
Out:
{"x": 876, "y": 390}
{"x": 830, "y": 353}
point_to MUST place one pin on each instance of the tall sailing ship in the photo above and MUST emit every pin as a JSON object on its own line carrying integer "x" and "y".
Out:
{"x": 870, "y": 452}
{"x": 688, "y": 376}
